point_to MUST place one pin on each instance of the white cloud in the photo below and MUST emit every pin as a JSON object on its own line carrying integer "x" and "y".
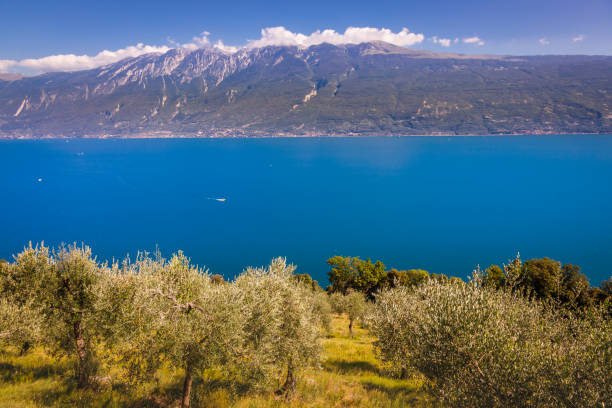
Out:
{"x": 269, "y": 36}
{"x": 201, "y": 42}
{"x": 227, "y": 48}
{"x": 352, "y": 35}
{"x": 72, "y": 62}
{"x": 198, "y": 42}
{"x": 474, "y": 40}
{"x": 5, "y": 65}
{"x": 445, "y": 42}
{"x": 544, "y": 41}
{"x": 578, "y": 38}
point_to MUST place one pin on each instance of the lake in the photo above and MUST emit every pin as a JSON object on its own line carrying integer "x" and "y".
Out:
{"x": 437, "y": 203}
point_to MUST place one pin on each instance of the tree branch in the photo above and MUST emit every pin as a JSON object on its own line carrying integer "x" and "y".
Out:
{"x": 187, "y": 307}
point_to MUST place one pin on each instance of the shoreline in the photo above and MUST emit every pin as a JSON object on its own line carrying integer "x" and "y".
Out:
{"x": 285, "y": 136}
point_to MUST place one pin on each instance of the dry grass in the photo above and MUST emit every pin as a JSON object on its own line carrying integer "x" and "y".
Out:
{"x": 350, "y": 376}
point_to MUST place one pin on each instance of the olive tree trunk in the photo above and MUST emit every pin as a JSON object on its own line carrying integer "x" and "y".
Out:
{"x": 25, "y": 346}
{"x": 83, "y": 357}
{"x": 187, "y": 388}
{"x": 289, "y": 385}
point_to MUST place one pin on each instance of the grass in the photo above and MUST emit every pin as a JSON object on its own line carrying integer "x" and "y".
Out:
{"x": 349, "y": 376}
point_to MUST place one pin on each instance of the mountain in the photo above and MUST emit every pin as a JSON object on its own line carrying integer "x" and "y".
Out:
{"x": 365, "y": 89}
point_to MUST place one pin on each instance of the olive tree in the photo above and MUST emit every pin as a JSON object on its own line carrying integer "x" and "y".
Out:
{"x": 70, "y": 305}
{"x": 21, "y": 294}
{"x": 21, "y": 279}
{"x": 57, "y": 294}
{"x": 179, "y": 312}
{"x": 483, "y": 347}
{"x": 322, "y": 309}
{"x": 281, "y": 329}
{"x": 354, "y": 304}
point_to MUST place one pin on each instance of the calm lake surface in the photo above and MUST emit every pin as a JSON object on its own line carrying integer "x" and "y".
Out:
{"x": 437, "y": 203}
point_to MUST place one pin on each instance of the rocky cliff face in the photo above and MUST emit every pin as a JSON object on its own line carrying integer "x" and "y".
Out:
{"x": 365, "y": 89}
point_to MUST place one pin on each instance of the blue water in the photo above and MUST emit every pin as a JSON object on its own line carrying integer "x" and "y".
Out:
{"x": 441, "y": 204}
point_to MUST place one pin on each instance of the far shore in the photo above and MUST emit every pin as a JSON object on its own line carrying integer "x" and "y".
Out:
{"x": 169, "y": 135}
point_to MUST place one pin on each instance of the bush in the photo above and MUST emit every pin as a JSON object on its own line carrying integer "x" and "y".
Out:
{"x": 481, "y": 347}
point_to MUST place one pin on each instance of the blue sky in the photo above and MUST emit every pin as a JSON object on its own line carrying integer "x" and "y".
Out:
{"x": 37, "y": 29}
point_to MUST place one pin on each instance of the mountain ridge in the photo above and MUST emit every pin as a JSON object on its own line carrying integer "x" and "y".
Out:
{"x": 371, "y": 88}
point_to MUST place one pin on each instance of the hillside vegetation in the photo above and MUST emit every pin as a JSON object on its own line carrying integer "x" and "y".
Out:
{"x": 155, "y": 332}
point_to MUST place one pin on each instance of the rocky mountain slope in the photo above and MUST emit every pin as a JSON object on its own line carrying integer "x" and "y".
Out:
{"x": 366, "y": 89}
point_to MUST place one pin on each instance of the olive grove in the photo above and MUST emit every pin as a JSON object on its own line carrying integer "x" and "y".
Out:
{"x": 258, "y": 331}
